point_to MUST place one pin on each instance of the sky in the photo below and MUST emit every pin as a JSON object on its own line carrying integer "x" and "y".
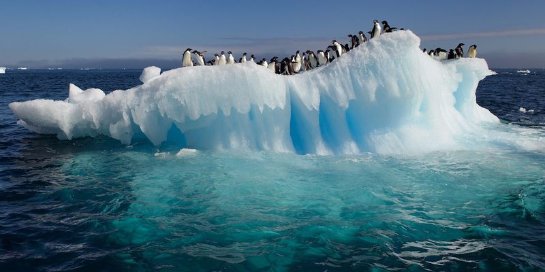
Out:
{"x": 137, "y": 33}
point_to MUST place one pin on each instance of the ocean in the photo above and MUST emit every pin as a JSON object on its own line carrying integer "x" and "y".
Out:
{"x": 94, "y": 204}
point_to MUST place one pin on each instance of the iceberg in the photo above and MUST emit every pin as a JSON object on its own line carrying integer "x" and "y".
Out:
{"x": 385, "y": 97}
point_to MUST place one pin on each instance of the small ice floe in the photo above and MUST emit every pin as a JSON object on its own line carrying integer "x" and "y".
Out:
{"x": 161, "y": 155}
{"x": 524, "y": 110}
{"x": 524, "y": 71}
{"x": 2, "y": 70}
{"x": 186, "y": 152}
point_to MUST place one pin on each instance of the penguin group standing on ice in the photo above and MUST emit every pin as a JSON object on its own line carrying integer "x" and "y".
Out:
{"x": 456, "y": 53}
{"x": 308, "y": 60}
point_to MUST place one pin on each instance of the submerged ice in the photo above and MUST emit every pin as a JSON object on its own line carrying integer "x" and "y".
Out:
{"x": 384, "y": 97}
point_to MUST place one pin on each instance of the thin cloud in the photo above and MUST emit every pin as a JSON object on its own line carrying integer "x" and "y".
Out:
{"x": 489, "y": 34}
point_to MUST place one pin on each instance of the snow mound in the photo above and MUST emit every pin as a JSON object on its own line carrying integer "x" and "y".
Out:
{"x": 385, "y": 96}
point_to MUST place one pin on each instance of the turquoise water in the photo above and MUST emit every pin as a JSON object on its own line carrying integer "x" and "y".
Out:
{"x": 97, "y": 205}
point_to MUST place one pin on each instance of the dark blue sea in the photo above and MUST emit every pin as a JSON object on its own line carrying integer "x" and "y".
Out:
{"x": 94, "y": 204}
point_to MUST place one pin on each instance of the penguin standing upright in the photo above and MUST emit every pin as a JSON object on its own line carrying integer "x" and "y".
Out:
{"x": 338, "y": 48}
{"x": 264, "y": 63}
{"x": 252, "y": 58}
{"x": 361, "y": 37}
{"x": 296, "y": 62}
{"x": 322, "y": 59}
{"x": 451, "y": 54}
{"x": 377, "y": 29}
{"x": 272, "y": 64}
{"x": 354, "y": 41}
{"x": 230, "y": 58}
{"x": 222, "y": 60}
{"x": 312, "y": 60}
{"x": 472, "y": 51}
{"x": 243, "y": 58}
{"x": 459, "y": 51}
{"x": 186, "y": 59}
{"x": 216, "y": 59}
{"x": 304, "y": 61}
{"x": 199, "y": 57}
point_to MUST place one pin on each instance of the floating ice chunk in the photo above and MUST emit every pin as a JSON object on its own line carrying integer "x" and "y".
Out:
{"x": 186, "y": 152}
{"x": 523, "y": 110}
{"x": 384, "y": 96}
{"x": 150, "y": 73}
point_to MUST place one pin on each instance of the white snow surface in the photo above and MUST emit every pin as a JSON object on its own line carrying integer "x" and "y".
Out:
{"x": 385, "y": 97}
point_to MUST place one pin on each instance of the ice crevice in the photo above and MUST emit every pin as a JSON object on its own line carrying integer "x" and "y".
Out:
{"x": 385, "y": 97}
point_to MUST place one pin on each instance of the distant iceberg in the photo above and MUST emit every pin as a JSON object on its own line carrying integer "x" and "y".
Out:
{"x": 384, "y": 97}
{"x": 2, "y": 70}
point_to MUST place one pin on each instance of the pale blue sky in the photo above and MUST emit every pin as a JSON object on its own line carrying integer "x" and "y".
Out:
{"x": 134, "y": 33}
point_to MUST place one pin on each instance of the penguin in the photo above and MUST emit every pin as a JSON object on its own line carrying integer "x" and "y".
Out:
{"x": 285, "y": 66}
{"x": 312, "y": 60}
{"x": 243, "y": 58}
{"x": 264, "y": 63}
{"x": 272, "y": 64}
{"x": 346, "y": 48}
{"x": 252, "y": 58}
{"x": 441, "y": 54}
{"x": 322, "y": 59}
{"x": 330, "y": 57}
{"x": 304, "y": 61}
{"x": 424, "y": 51}
{"x": 338, "y": 48}
{"x": 459, "y": 50}
{"x": 222, "y": 60}
{"x": 199, "y": 57}
{"x": 451, "y": 54}
{"x": 230, "y": 58}
{"x": 472, "y": 51}
{"x": 296, "y": 62}
{"x": 431, "y": 53}
{"x": 186, "y": 59}
{"x": 387, "y": 28}
{"x": 216, "y": 59}
{"x": 377, "y": 29}
{"x": 361, "y": 37}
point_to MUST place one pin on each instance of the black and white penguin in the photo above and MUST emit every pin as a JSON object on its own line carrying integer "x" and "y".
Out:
{"x": 377, "y": 29}
{"x": 272, "y": 64}
{"x": 199, "y": 57}
{"x": 472, "y": 51}
{"x": 304, "y": 61}
{"x": 252, "y": 58}
{"x": 243, "y": 58}
{"x": 338, "y": 48}
{"x": 361, "y": 37}
{"x": 431, "y": 53}
{"x": 312, "y": 60}
{"x": 459, "y": 50}
{"x": 346, "y": 48}
{"x": 330, "y": 57}
{"x": 441, "y": 54}
{"x": 186, "y": 59}
{"x": 387, "y": 28}
{"x": 285, "y": 67}
{"x": 296, "y": 62}
{"x": 322, "y": 59}
{"x": 264, "y": 63}
{"x": 354, "y": 41}
{"x": 222, "y": 60}
{"x": 216, "y": 59}
{"x": 230, "y": 58}
{"x": 451, "y": 54}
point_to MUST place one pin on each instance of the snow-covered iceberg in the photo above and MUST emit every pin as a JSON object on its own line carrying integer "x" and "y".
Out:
{"x": 385, "y": 97}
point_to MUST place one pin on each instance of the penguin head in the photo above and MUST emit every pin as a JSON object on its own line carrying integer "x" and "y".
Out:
{"x": 222, "y": 52}
{"x": 229, "y": 52}
{"x": 384, "y": 23}
{"x": 461, "y": 44}
{"x": 244, "y": 54}
{"x": 474, "y": 46}
{"x": 361, "y": 32}
{"x": 188, "y": 49}
{"x": 252, "y": 56}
